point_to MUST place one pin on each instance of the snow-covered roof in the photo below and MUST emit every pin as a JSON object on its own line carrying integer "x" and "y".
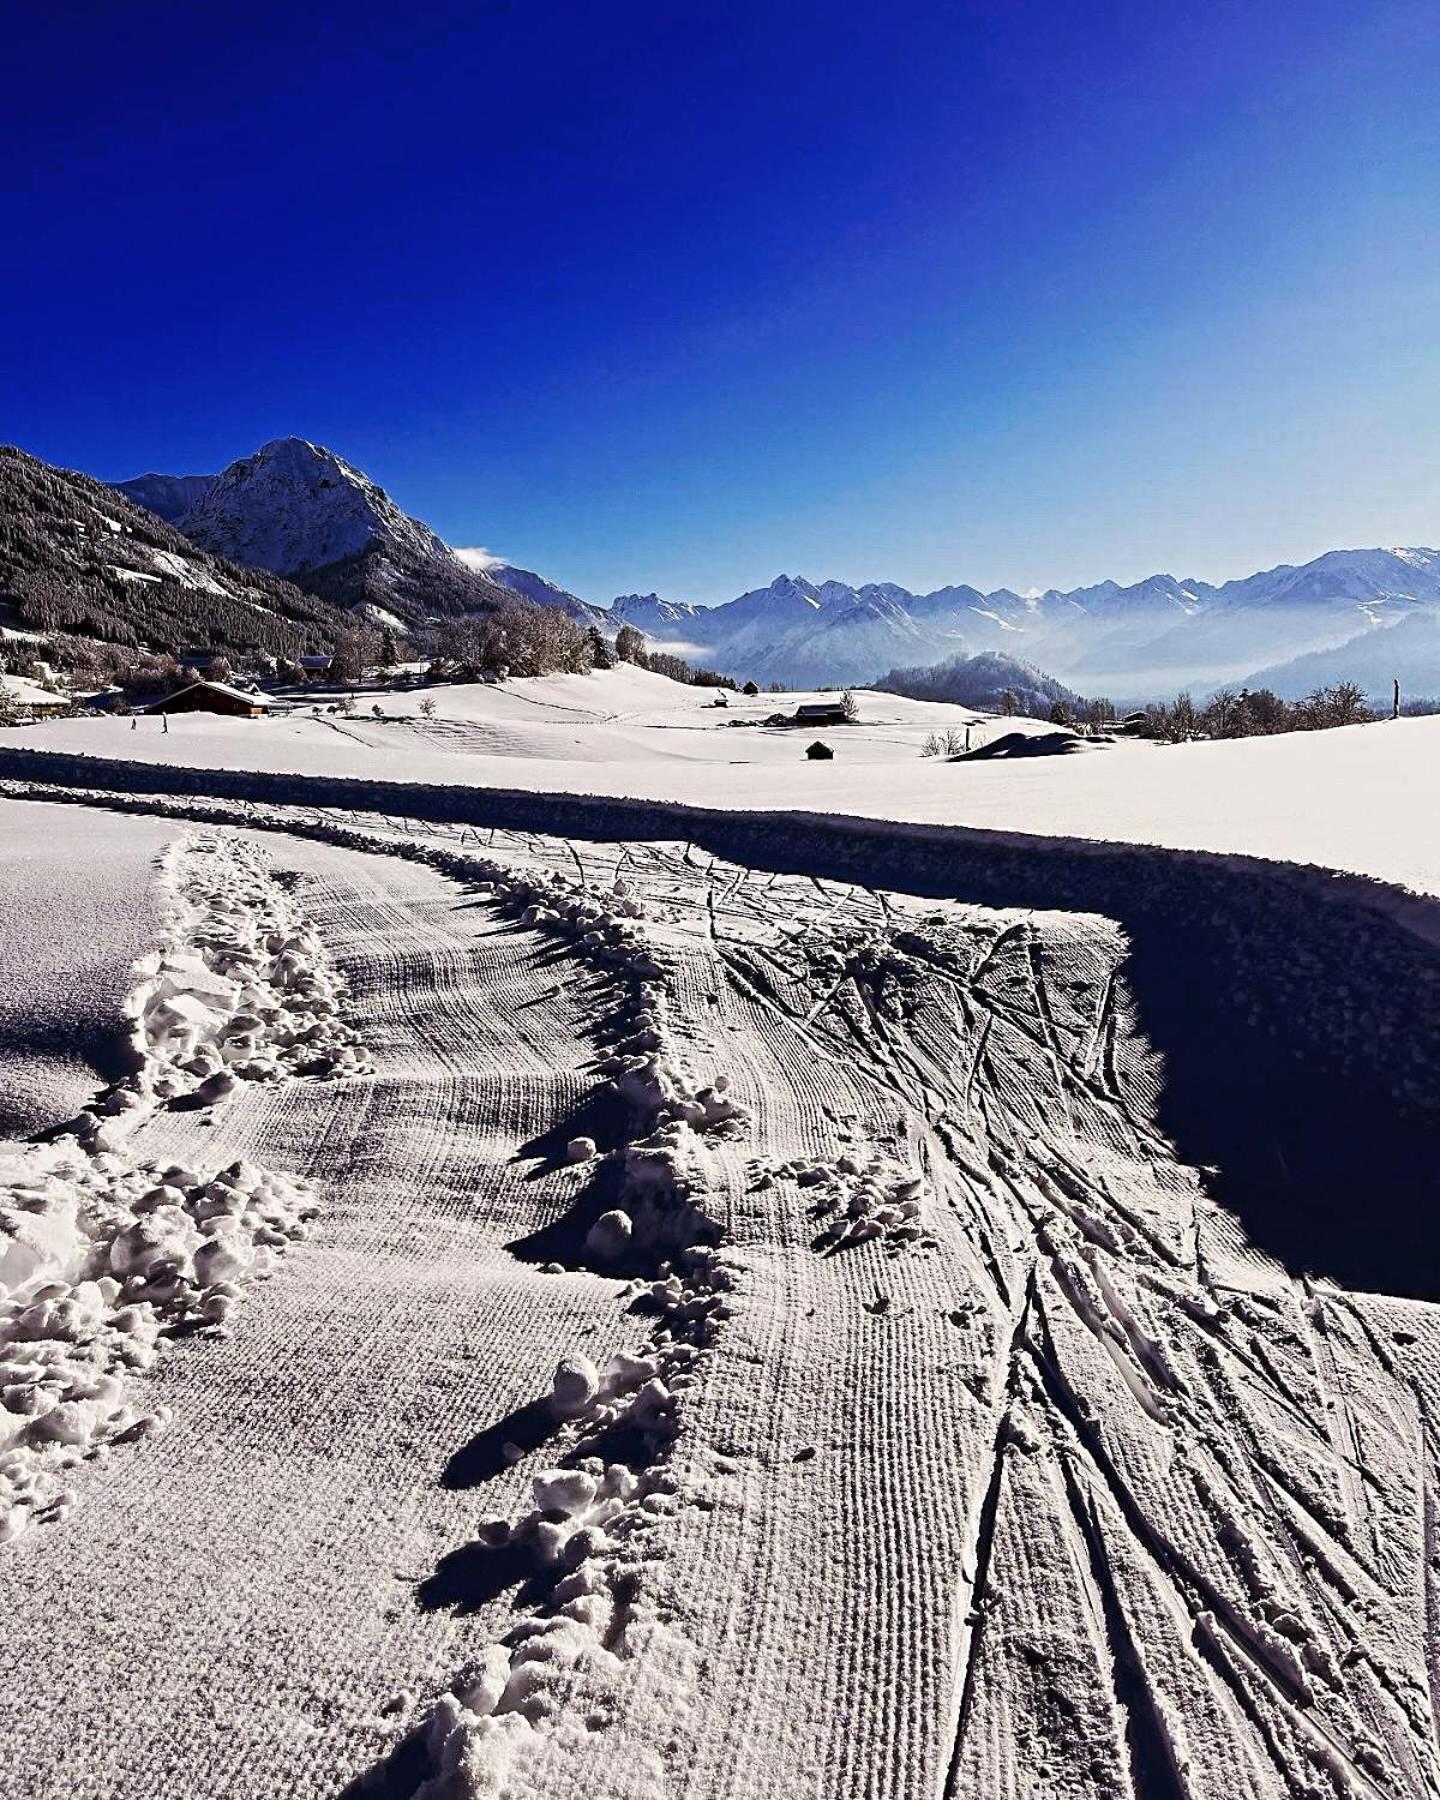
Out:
{"x": 215, "y": 687}
{"x": 30, "y": 693}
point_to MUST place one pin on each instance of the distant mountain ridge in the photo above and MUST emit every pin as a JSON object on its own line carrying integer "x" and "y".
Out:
{"x": 169, "y": 497}
{"x": 542, "y": 591}
{"x": 1150, "y": 635}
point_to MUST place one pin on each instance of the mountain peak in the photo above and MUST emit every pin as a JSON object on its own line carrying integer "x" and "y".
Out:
{"x": 294, "y": 506}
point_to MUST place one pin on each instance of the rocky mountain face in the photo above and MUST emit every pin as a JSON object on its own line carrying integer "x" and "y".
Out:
{"x": 296, "y": 509}
{"x": 301, "y": 511}
{"x": 79, "y": 561}
{"x": 1145, "y": 638}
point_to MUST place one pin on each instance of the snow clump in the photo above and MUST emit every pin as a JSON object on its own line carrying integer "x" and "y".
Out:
{"x": 101, "y": 1254}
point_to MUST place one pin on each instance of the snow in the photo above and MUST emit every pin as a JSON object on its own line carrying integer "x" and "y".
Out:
{"x": 188, "y": 574}
{"x": 102, "y": 1251}
{"x": 66, "y": 952}
{"x": 1342, "y": 799}
{"x": 891, "y": 1313}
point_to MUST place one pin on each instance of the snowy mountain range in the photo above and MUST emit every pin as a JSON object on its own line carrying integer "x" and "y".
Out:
{"x": 1134, "y": 640}
{"x": 303, "y": 512}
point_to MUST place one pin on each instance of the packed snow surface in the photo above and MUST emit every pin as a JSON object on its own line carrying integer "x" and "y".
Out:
{"x": 770, "y": 1335}
{"x": 102, "y": 1250}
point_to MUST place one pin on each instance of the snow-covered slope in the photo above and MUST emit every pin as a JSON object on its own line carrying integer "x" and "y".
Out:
{"x": 1355, "y": 799}
{"x": 541, "y": 590}
{"x": 772, "y": 1330}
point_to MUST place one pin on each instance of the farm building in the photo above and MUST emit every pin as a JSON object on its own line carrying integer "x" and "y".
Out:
{"x": 215, "y": 697}
{"x": 819, "y": 752}
{"x": 28, "y": 700}
{"x": 820, "y": 712}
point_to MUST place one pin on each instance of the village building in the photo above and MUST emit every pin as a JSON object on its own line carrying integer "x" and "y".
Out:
{"x": 213, "y": 697}
{"x": 28, "y": 700}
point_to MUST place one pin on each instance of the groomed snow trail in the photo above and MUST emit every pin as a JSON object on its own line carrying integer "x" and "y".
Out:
{"x": 838, "y": 1388}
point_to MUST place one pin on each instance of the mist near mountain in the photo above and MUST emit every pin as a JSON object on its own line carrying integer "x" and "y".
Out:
{"x": 1407, "y": 651}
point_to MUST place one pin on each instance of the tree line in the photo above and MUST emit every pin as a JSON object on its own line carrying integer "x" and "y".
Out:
{"x": 1252, "y": 712}
{"x": 520, "y": 638}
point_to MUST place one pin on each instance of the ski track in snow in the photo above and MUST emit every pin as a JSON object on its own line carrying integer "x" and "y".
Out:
{"x": 943, "y": 1438}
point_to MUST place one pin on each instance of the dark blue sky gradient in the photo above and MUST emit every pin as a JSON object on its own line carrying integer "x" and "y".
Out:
{"x": 678, "y": 296}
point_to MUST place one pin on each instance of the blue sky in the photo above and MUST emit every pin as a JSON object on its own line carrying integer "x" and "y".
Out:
{"x": 675, "y": 297}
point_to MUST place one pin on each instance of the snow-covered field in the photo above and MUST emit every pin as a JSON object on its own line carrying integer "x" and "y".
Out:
{"x": 950, "y": 1327}
{"x": 1355, "y": 799}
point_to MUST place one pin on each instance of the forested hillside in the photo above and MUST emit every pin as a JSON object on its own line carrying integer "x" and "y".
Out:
{"x": 82, "y": 566}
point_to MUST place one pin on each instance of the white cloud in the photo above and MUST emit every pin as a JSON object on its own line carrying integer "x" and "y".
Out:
{"x": 478, "y": 557}
{"x": 673, "y": 646}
